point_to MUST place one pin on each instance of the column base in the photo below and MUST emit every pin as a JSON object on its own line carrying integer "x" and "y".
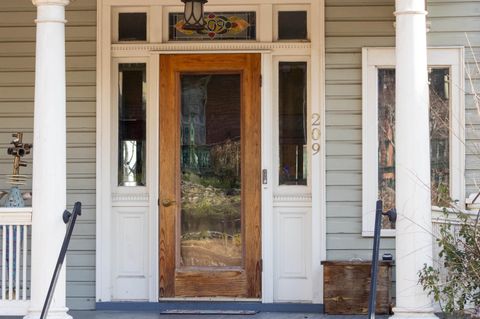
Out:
{"x": 59, "y": 313}
{"x": 411, "y": 313}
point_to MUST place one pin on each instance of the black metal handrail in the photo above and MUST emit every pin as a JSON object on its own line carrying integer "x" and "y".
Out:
{"x": 392, "y": 216}
{"x": 69, "y": 219}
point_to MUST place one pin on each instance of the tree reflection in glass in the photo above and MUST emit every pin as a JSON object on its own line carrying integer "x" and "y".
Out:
{"x": 211, "y": 227}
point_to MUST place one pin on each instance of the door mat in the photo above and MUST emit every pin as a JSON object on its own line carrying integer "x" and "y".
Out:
{"x": 208, "y": 312}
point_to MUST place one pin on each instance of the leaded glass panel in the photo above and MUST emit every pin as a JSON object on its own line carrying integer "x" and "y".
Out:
{"x": 131, "y": 124}
{"x": 218, "y": 26}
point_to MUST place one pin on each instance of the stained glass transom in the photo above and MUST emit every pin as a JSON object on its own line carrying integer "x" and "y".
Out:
{"x": 218, "y": 26}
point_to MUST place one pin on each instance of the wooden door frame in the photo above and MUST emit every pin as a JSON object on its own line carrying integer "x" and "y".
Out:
{"x": 228, "y": 283}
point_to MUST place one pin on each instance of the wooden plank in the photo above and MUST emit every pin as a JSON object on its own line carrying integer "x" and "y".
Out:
{"x": 454, "y": 24}
{"x": 356, "y": 43}
{"x": 169, "y": 168}
{"x": 343, "y": 104}
{"x": 359, "y": 13}
{"x": 360, "y": 28}
{"x": 349, "y": 75}
{"x": 451, "y": 9}
{"x": 340, "y": 163}
{"x": 211, "y": 284}
{"x": 344, "y": 225}
{"x": 344, "y": 193}
{"x": 346, "y": 287}
{"x": 80, "y": 303}
{"x": 353, "y": 242}
{"x": 343, "y": 60}
{"x": 339, "y": 148}
{"x": 336, "y": 133}
{"x": 344, "y": 178}
{"x": 342, "y": 3}
{"x": 362, "y": 254}
{"x": 343, "y": 119}
{"x": 251, "y": 167}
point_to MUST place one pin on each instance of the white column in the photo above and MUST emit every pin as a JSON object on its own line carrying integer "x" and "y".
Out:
{"x": 49, "y": 157}
{"x": 412, "y": 147}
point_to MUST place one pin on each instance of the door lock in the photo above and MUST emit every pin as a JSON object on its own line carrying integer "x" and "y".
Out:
{"x": 167, "y": 202}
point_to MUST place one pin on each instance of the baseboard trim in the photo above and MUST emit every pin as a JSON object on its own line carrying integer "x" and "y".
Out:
{"x": 210, "y": 305}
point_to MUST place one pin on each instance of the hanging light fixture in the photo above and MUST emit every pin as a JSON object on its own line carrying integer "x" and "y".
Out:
{"x": 194, "y": 14}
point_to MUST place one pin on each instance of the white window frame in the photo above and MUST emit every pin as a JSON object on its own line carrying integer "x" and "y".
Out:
{"x": 115, "y": 18}
{"x": 287, "y": 8}
{"x": 139, "y": 189}
{"x": 376, "y": 58}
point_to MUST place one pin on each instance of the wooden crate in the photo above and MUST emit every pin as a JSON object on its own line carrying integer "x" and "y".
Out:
{"x": 347, "y": 285}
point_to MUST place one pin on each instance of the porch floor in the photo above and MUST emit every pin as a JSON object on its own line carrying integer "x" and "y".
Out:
{"x": 155, "y": 315}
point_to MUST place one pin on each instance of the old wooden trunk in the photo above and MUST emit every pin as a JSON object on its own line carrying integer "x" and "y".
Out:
{"x": 347, "y": 287}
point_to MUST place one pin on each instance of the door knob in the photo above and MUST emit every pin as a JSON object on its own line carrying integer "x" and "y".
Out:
{"x": 167, "y": 202}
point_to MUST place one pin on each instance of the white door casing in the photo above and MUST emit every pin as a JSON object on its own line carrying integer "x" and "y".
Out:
{"x": 121, "y": 210}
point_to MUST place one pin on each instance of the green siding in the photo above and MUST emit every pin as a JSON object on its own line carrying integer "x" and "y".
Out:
{"x": 350, "y": 25}
{"x": 451, "y": 23}
{"x": 17, "y": 78}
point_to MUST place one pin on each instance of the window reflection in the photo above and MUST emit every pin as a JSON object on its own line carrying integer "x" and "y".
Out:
{"x": 439, "y": 137}
{"x": 131, "y": 125}
{"x": 211, "y": 215}
{"x": 292, "y": 111}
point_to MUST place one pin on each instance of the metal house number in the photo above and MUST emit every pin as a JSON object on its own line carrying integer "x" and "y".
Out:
{"x": 316, "y": 133}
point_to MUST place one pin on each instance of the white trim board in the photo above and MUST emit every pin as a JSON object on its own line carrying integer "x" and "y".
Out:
{"x": 372, "y": 60}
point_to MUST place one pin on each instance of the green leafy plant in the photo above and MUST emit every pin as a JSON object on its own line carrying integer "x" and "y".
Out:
{"x": 455, "y": 281}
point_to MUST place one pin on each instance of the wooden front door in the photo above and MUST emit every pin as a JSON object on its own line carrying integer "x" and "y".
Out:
{"x": 210, "y": 179}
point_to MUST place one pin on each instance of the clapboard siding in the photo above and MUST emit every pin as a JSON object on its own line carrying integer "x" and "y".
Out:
{"x": 350, "y": 25}
{"x": 17, "y": 79}
{"x": 451, "y": 22}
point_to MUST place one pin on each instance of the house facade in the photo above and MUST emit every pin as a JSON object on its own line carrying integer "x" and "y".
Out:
{"x": 227, "y": 164}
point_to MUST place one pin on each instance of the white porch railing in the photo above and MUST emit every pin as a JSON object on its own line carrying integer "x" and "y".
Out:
{"x": 439, "y": 219}
{"x": 15, "y": 231}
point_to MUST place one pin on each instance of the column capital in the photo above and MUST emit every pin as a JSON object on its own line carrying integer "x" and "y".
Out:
{"x": 50, "y": 2}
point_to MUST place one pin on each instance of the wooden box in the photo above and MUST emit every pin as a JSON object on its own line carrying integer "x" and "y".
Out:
{"x": 347, "y": 285}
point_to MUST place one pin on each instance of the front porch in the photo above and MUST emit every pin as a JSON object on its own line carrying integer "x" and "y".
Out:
{"x": 114, "y": 256}
{"x": 157, "y": 315}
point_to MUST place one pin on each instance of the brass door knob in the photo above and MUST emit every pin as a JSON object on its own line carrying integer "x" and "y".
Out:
{"x": 167, "y": 202}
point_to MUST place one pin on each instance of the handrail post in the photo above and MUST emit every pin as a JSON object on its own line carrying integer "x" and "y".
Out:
{"x": 69, "y": 219}
{"x": 374, "y": 269}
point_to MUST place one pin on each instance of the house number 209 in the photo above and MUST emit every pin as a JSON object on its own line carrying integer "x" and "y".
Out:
{"x": 316, "y": 133}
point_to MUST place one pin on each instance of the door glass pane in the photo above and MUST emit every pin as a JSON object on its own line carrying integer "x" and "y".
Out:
{"x": 292, "y": 109}
{"x": 131, "y": 124}
{"x": 210, "y": 167}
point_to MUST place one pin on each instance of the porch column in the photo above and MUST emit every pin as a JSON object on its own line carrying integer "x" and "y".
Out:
{"x": 49, "y": 157}
{"x": 412, "y": 147}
